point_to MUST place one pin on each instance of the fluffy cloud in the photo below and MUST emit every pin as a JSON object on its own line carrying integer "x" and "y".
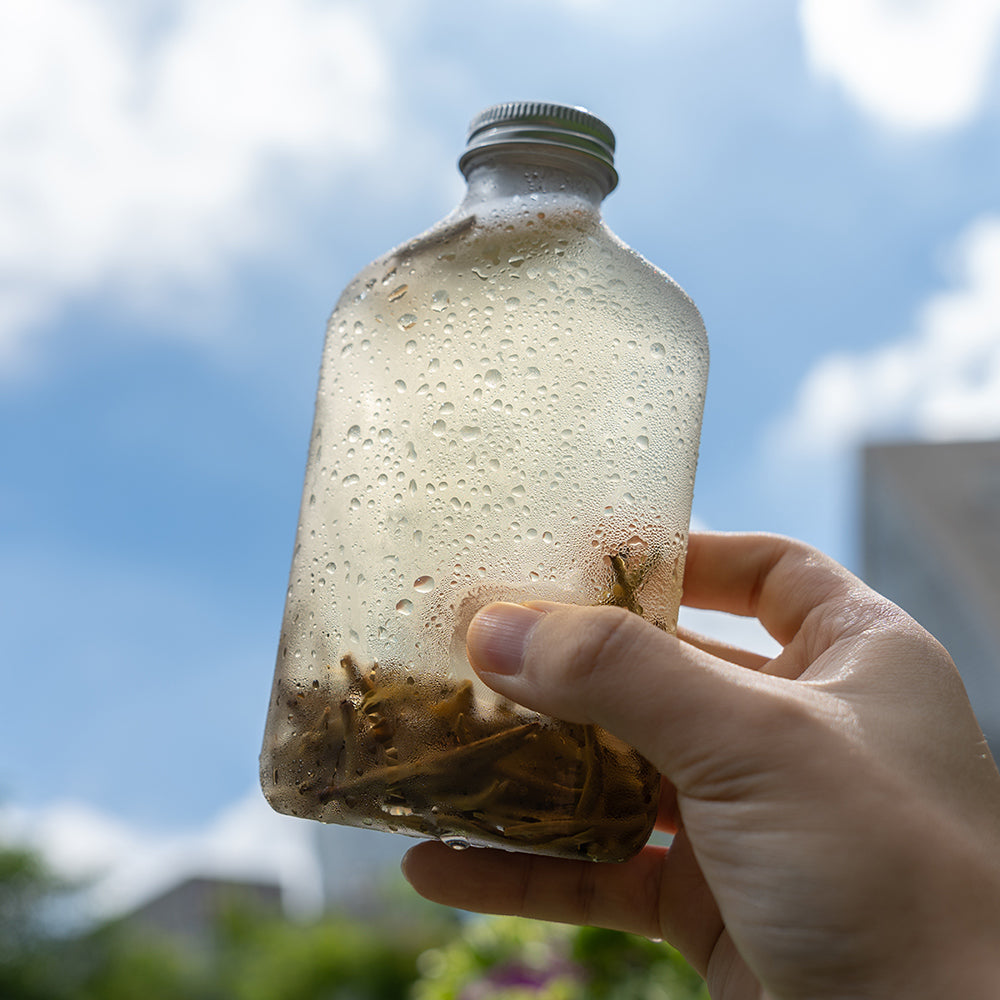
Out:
{"x": 915, "y": 66}
{"x": 941, "y": 381}
{"x": 135, "y": 155}
{"x": 124, "y": 865}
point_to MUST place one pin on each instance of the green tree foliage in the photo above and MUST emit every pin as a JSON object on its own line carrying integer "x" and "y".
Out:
{"x": 252, "y": 956}
{"x": 412, "y": 951}
{"x": 27, "y": 889}
{"x": 507, "y": 958}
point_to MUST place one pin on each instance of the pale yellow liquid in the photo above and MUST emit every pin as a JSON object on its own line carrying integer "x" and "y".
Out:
{"x": 507, "y": 406}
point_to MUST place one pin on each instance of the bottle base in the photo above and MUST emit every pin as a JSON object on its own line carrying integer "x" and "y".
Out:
{"x": 385, "y": 749}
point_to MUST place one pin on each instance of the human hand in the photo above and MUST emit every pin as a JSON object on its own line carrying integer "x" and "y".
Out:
{"x": 836, "y": 813}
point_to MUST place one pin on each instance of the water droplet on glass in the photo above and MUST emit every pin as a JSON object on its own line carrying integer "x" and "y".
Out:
{"x": 470, "y": 433}
{"x": 658, "y": 349}
{"x": 439, "y": 301}
{"x": 354, "y": 434}
{"x": 547, "y": 537}
{"x": 455, "y": 843}
{"x": 407, "y": 321}
{"x": 400, "y": 385}
{"x": 642, "y": 441}
{"x": 423, "y": 584}
{"x": 397, "y": 293}
{"x": 492, "y": 378}
{"x": 438, "y": 428}
{"x": 405, "y": 607}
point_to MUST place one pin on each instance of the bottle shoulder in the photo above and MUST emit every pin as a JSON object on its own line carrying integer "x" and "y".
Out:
{"x": 557, "y": 252}
{"x": 484, "y": 239}
{"x": 644, "y": 275}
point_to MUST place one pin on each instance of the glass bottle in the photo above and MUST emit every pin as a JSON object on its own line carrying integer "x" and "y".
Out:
{"x": 509, "y": 409}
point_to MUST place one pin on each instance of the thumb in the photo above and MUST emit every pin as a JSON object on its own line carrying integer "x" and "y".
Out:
{"x": 608, "y": 666}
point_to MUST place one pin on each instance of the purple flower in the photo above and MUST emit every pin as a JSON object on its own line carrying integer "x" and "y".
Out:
{"x": 521, "y": 976}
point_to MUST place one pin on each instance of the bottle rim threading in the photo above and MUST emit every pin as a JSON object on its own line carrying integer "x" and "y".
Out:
{"x": 535, "y": 123}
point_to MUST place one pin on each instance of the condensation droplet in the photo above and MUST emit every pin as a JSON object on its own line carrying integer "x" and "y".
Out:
{"x": 407, "y": 321}
{"x": 354, "y": 434}
{"x": 470, "y": 433}
{"x": 642, "y": 441}
{"x": 547, "y": 537}
{"x": 658, "y": 349}
{"x": 492, "y": 378}
{"x": 400, "y": 385}
{"x": 405, "y": 607}
{"x": 423, "y": 584}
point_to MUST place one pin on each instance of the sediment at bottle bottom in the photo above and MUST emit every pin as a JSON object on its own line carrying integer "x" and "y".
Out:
{"x": 390, "y": 749}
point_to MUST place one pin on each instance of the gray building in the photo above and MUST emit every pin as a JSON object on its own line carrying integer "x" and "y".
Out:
{"x": 931, "y": 544}
{"x": 189, "y": 911}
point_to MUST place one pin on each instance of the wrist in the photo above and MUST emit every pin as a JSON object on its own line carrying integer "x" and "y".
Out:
{"x": 954, "y": 925}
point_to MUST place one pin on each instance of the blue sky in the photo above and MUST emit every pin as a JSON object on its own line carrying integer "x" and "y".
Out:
{"x": 185, "y": 187}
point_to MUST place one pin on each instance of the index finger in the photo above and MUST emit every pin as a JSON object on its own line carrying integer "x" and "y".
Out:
{"x": 777, "y": 580}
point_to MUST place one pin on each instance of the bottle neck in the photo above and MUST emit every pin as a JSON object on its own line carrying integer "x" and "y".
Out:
{"x": 533, "y": 176}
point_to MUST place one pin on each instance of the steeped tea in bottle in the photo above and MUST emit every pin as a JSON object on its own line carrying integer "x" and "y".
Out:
{"x": 509, "y": 409}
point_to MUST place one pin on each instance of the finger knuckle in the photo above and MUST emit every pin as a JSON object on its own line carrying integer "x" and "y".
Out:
{"x": 608, "y": 640}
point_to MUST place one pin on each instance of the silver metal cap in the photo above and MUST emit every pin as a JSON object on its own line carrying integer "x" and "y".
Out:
{"x": 535, "y": 123}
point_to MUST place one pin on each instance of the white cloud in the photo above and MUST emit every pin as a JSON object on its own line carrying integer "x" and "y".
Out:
{"x": 940, "y": 382}
{"x": 138, "y": 159}
{"x": 914, "y": 64}
{"x": 125, "y": 865}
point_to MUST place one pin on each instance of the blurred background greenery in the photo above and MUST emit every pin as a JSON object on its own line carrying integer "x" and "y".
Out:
{"x": 409, "y": 950}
